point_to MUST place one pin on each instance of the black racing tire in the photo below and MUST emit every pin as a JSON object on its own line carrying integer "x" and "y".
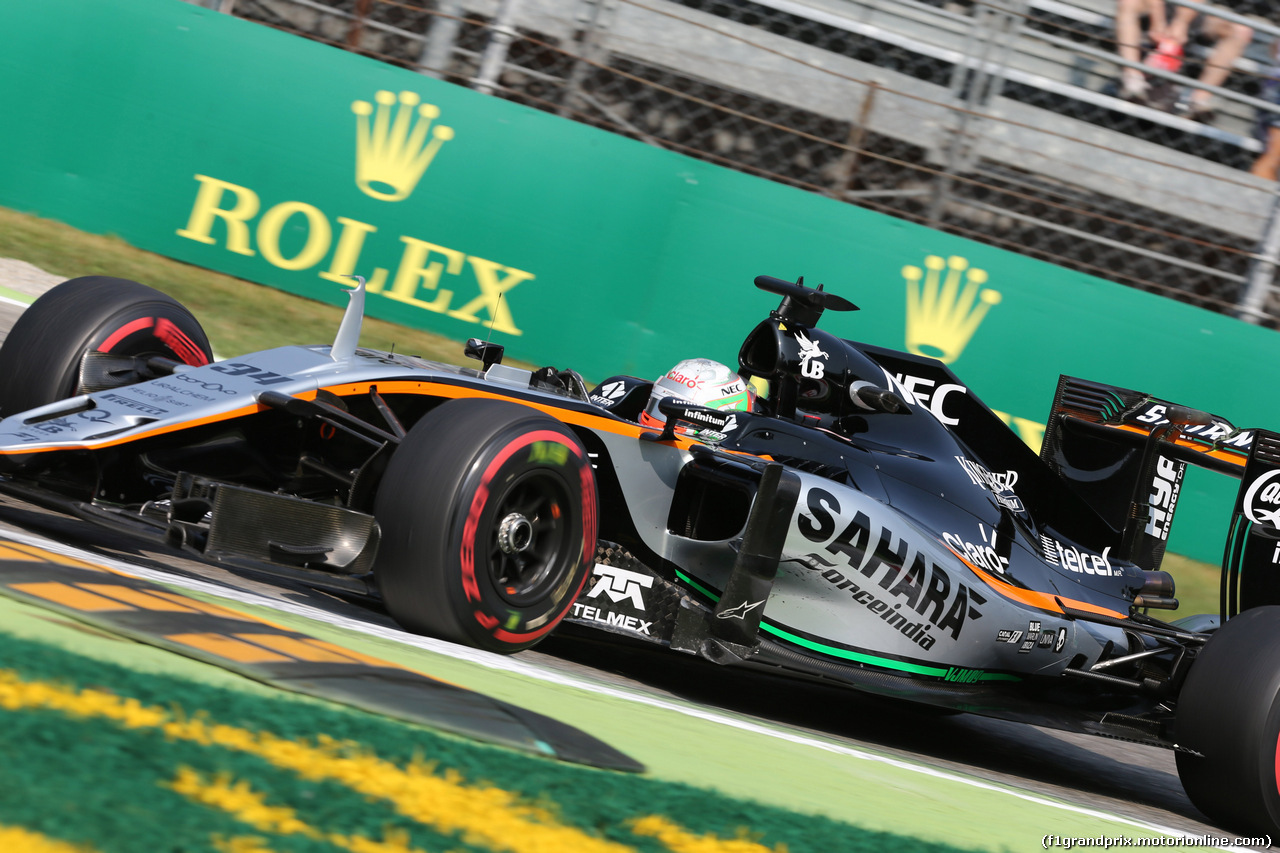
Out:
{"x": 488, "y": 517}
{"x": 41, "y": 359}
{"x": 1229, "y": 712}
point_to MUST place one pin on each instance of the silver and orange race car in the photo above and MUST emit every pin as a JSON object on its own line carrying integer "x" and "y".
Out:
{"x": 869, "y": 522}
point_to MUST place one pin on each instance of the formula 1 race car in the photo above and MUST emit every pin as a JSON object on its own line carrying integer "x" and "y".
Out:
{"x": 869, "y": 522}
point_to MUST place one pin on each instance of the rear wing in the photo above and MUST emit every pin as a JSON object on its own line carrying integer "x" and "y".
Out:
{"x": 1126, "y": 452}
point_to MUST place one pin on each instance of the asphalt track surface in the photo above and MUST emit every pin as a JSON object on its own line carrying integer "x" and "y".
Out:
{"x": 1105, "y": 787}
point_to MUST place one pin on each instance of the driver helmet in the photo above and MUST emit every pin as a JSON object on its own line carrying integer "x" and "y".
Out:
{"x": 700, "y": 381}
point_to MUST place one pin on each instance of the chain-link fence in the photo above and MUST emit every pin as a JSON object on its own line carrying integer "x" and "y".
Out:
{"x": 1003, "y": 122}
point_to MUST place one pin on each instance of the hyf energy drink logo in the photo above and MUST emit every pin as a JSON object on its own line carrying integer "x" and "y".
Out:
{"x": 1164, "y": 495}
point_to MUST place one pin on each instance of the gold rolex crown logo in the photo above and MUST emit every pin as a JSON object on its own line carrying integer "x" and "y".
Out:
{"x": 942, "y": 315}
{"x": 392, "y": 149}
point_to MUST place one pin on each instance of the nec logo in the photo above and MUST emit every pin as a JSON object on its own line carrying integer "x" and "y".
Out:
{"x": 1164, "y": 494}
{"x": 620, "y": 584}
{"x": 1261, "y": 503}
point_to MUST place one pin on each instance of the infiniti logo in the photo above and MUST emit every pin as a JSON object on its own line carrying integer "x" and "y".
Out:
{"x": 1261, "y": 503}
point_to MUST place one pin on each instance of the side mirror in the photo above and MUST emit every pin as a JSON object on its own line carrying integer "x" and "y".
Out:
{"x": 485, "y": 352}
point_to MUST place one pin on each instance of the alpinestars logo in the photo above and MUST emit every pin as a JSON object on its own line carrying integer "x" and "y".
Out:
{"x": 741, "y": 611}
{"x": 810, "y": 352}
{"x": 392, "y": 150}
{"x": 620, "y": 584}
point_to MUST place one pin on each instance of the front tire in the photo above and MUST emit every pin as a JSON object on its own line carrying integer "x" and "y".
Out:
{"x": 43, "y": 356}
{"x": 488, "y": 520}
{"x": 1229, "y": 712}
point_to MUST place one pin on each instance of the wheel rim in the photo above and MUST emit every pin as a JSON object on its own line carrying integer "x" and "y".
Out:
{"x": 530, "y": 537}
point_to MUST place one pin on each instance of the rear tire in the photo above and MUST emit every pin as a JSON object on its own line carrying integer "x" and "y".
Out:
{"x": 488, "y": 519}
{"x": 1229, "y": 711}
{"x": 43, "y": 353}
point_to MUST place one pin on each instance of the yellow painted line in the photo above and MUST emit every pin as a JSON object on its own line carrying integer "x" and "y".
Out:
{"x": 482, "y": 815}
{"x": 240, "y": 801}
{"x": 677, "y": 839}
{"x": 228, "y": 648}
{"x": 15, "y": 839}
{"x": 70, "y": 596}
{"x": 240, "y": 844}
{"x": 138, "y": 598}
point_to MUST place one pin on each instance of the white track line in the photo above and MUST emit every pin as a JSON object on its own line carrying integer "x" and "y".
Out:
{"x": 515, "y": 665}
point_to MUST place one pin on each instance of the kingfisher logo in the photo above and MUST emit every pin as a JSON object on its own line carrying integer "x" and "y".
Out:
{"x": 620, "y": 585}
{"x": 1000, "y": 485}
{"x": 392, "y": 149}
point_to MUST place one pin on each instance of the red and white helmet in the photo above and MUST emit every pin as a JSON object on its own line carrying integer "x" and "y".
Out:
{"x": 700, "y": 381}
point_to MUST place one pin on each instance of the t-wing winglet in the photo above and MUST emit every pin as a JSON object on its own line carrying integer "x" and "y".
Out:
{"x": 344, "y": 344}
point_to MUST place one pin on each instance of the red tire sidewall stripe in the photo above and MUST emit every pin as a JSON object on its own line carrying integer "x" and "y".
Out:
{"x": 125, "y": 331}
{"x": 470, "y": 585}
{"x": 1275, "y": 778}
{"x": 167, "y": 332}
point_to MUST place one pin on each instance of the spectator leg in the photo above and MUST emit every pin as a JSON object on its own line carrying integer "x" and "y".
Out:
{"x": 1268, "y": 162}
{"x": 1133, "y": 83}
{"x": 1230, "y": 41}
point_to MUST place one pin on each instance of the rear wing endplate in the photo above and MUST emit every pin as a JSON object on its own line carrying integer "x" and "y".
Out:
{"x": 1126, "y": 453}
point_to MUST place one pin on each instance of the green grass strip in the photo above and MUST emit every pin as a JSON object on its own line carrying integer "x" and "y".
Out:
{"x": 122, "y": 760}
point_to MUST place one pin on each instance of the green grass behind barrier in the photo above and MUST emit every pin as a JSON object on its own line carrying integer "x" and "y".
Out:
{"x": 237, "y": 315}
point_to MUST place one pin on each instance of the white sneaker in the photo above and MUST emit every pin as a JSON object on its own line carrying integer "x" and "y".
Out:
{"x": 1134, "y": 86}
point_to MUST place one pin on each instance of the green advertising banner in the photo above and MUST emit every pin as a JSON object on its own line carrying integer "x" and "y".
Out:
{"x": 236, "y": 147}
